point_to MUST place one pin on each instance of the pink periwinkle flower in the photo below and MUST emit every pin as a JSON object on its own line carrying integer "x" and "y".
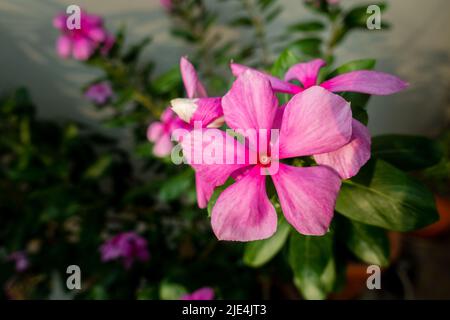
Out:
{"x": 127, "y": 247}
{"x": 166, "y": 4}
{"x": 99, "y": 93}
{"x": 350, "y": 158}
{"x": 204, "y": 293}
{"x": 197, "y": 108}
{"x": 314, "y": 121}
{"x": 82, "y": 43}
{"x": 20, "y": 259}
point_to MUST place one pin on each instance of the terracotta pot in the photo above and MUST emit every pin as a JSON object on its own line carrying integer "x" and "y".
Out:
{"x": 443, "y": 225}
{"x": 356, "y": 273}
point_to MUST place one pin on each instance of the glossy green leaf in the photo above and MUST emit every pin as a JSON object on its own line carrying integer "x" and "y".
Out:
{"x": 407, "y": 152}
{"x": 307, "y": 26}
{"x": 258, "y": 253}
{"x": 384, "y": 196}
{"x": 312, "y": 262}
{"x": 368, "y": 243}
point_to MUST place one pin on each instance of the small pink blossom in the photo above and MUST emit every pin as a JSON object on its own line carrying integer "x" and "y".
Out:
{"x": 205, "y": 293}
{"x": 82, "y": 43}
{"x": 166, "y": 4}
{"x": 20, "y": 259}
{"x": 127, "y": 247}
{"x": 350, "y": 158}
{"x": 99, "y": 93}
{"x": 314, "y": 121}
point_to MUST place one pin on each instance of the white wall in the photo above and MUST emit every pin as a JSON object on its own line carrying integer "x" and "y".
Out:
{"x": 417, "y": 48}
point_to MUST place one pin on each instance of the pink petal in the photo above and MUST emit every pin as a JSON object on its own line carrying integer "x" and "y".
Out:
{"x": 347, "y": 160}
{"x": 196, "y": 145}
{"x": 209, "y": 110}
{"x": 154, "y": 131}
{"x": 250, "y": 103}
{"x": 314, "y": 121}
{"x": 204, "y": 191}
{"x": 64, "y": 46}
{"x": 97, "y": 34}
{"x": 370, "y": 82}
{"x": 163, "y": 146}
{"x": 205, "y": 293}
{"x": 59, "y": 21}
{"x": 277, "y": 84}
{"x": 82, "y": 49}
{"x": 306, "y": 72}
{"x": 194, "y": 88}
{"x": 243, "y": 211}
{"x": 307, "y": 196}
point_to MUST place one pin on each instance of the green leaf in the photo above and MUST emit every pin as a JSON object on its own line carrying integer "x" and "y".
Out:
{"x": 307, "y": 26}
{"x": 357, "y": 17}
{"x": 285, "y": 60}
{"x": 167, "y": 81}
{"x": 308, "y": 46}
{"x": 368, "y": 243}
{"x": 273, "y": 14}
{"x": 171, "y": 291}
{"x": 382, "y": 195}
{"x": 407, "y": 152}
{"x": 241, "y": 21}
{"x": 258, "y": 253}
{"x": 312, "y": 262}
{"x": 176, "y": 185}
{"x": 363, "y": 64}
{"x": 99, "y": 167}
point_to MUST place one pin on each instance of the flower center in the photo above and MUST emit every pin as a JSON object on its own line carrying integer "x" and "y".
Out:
{"x": 264, "y": 160}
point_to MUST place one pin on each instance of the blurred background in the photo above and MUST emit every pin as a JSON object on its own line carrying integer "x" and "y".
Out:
{"x": 416, "y": 48}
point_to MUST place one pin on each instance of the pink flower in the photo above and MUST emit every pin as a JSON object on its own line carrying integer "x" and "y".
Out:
{"x": 196, "y": 109}
{"x": 350, "y": 158}
{"x": 167, "y": 4}
{"x": 159, "y": 132}
{"x": 315, "y": 121}
{"x": 127, "y": 247}
{"x": 204, "y": 293}
{"x": 21, "y": 260}
{"x": 99, "y": 93}
{"x": 82, "y": 43}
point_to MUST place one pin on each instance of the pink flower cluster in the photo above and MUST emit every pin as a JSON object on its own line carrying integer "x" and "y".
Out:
{"x": 126, "y": 247}
{"x": 315, "y": 123}
{"x": 83, "y": 42}
{"x": 204, "y": 293}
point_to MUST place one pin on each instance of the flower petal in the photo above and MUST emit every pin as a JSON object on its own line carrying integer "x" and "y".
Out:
{"x": 163, "y": 146}
{"x": 154, "y": 131}
{"x": 306, "y": 72}
{"x": 364, "y": 81}
{"x": 82, "y": 49}
{"x": 63, "y": 46}
{"x": 194, "y": 88}
{"x": 277, "y": 84}
{"x": 314, "y": 121}
{"x": 214, "y": 169}
{"x": 347, "y": 160}
{"x": 243, "y": 211}
{"x": 307, "y": 196}
{"x": 204, "y": 191}
{"x": 250, "y": 103}
{"x": 208, "y": 113}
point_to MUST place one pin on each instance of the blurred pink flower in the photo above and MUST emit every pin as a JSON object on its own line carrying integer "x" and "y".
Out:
{"x": 99, "y": 93}
{"x": 21, "y": 260}
{"x": 167, "y": 4}
{"x": 204, "y": 293}
{"x": 159, "y": 132}
{"x": 127, "y": 247}
{"x": 82, "y": 43}
{"x": 315, "y": 121}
